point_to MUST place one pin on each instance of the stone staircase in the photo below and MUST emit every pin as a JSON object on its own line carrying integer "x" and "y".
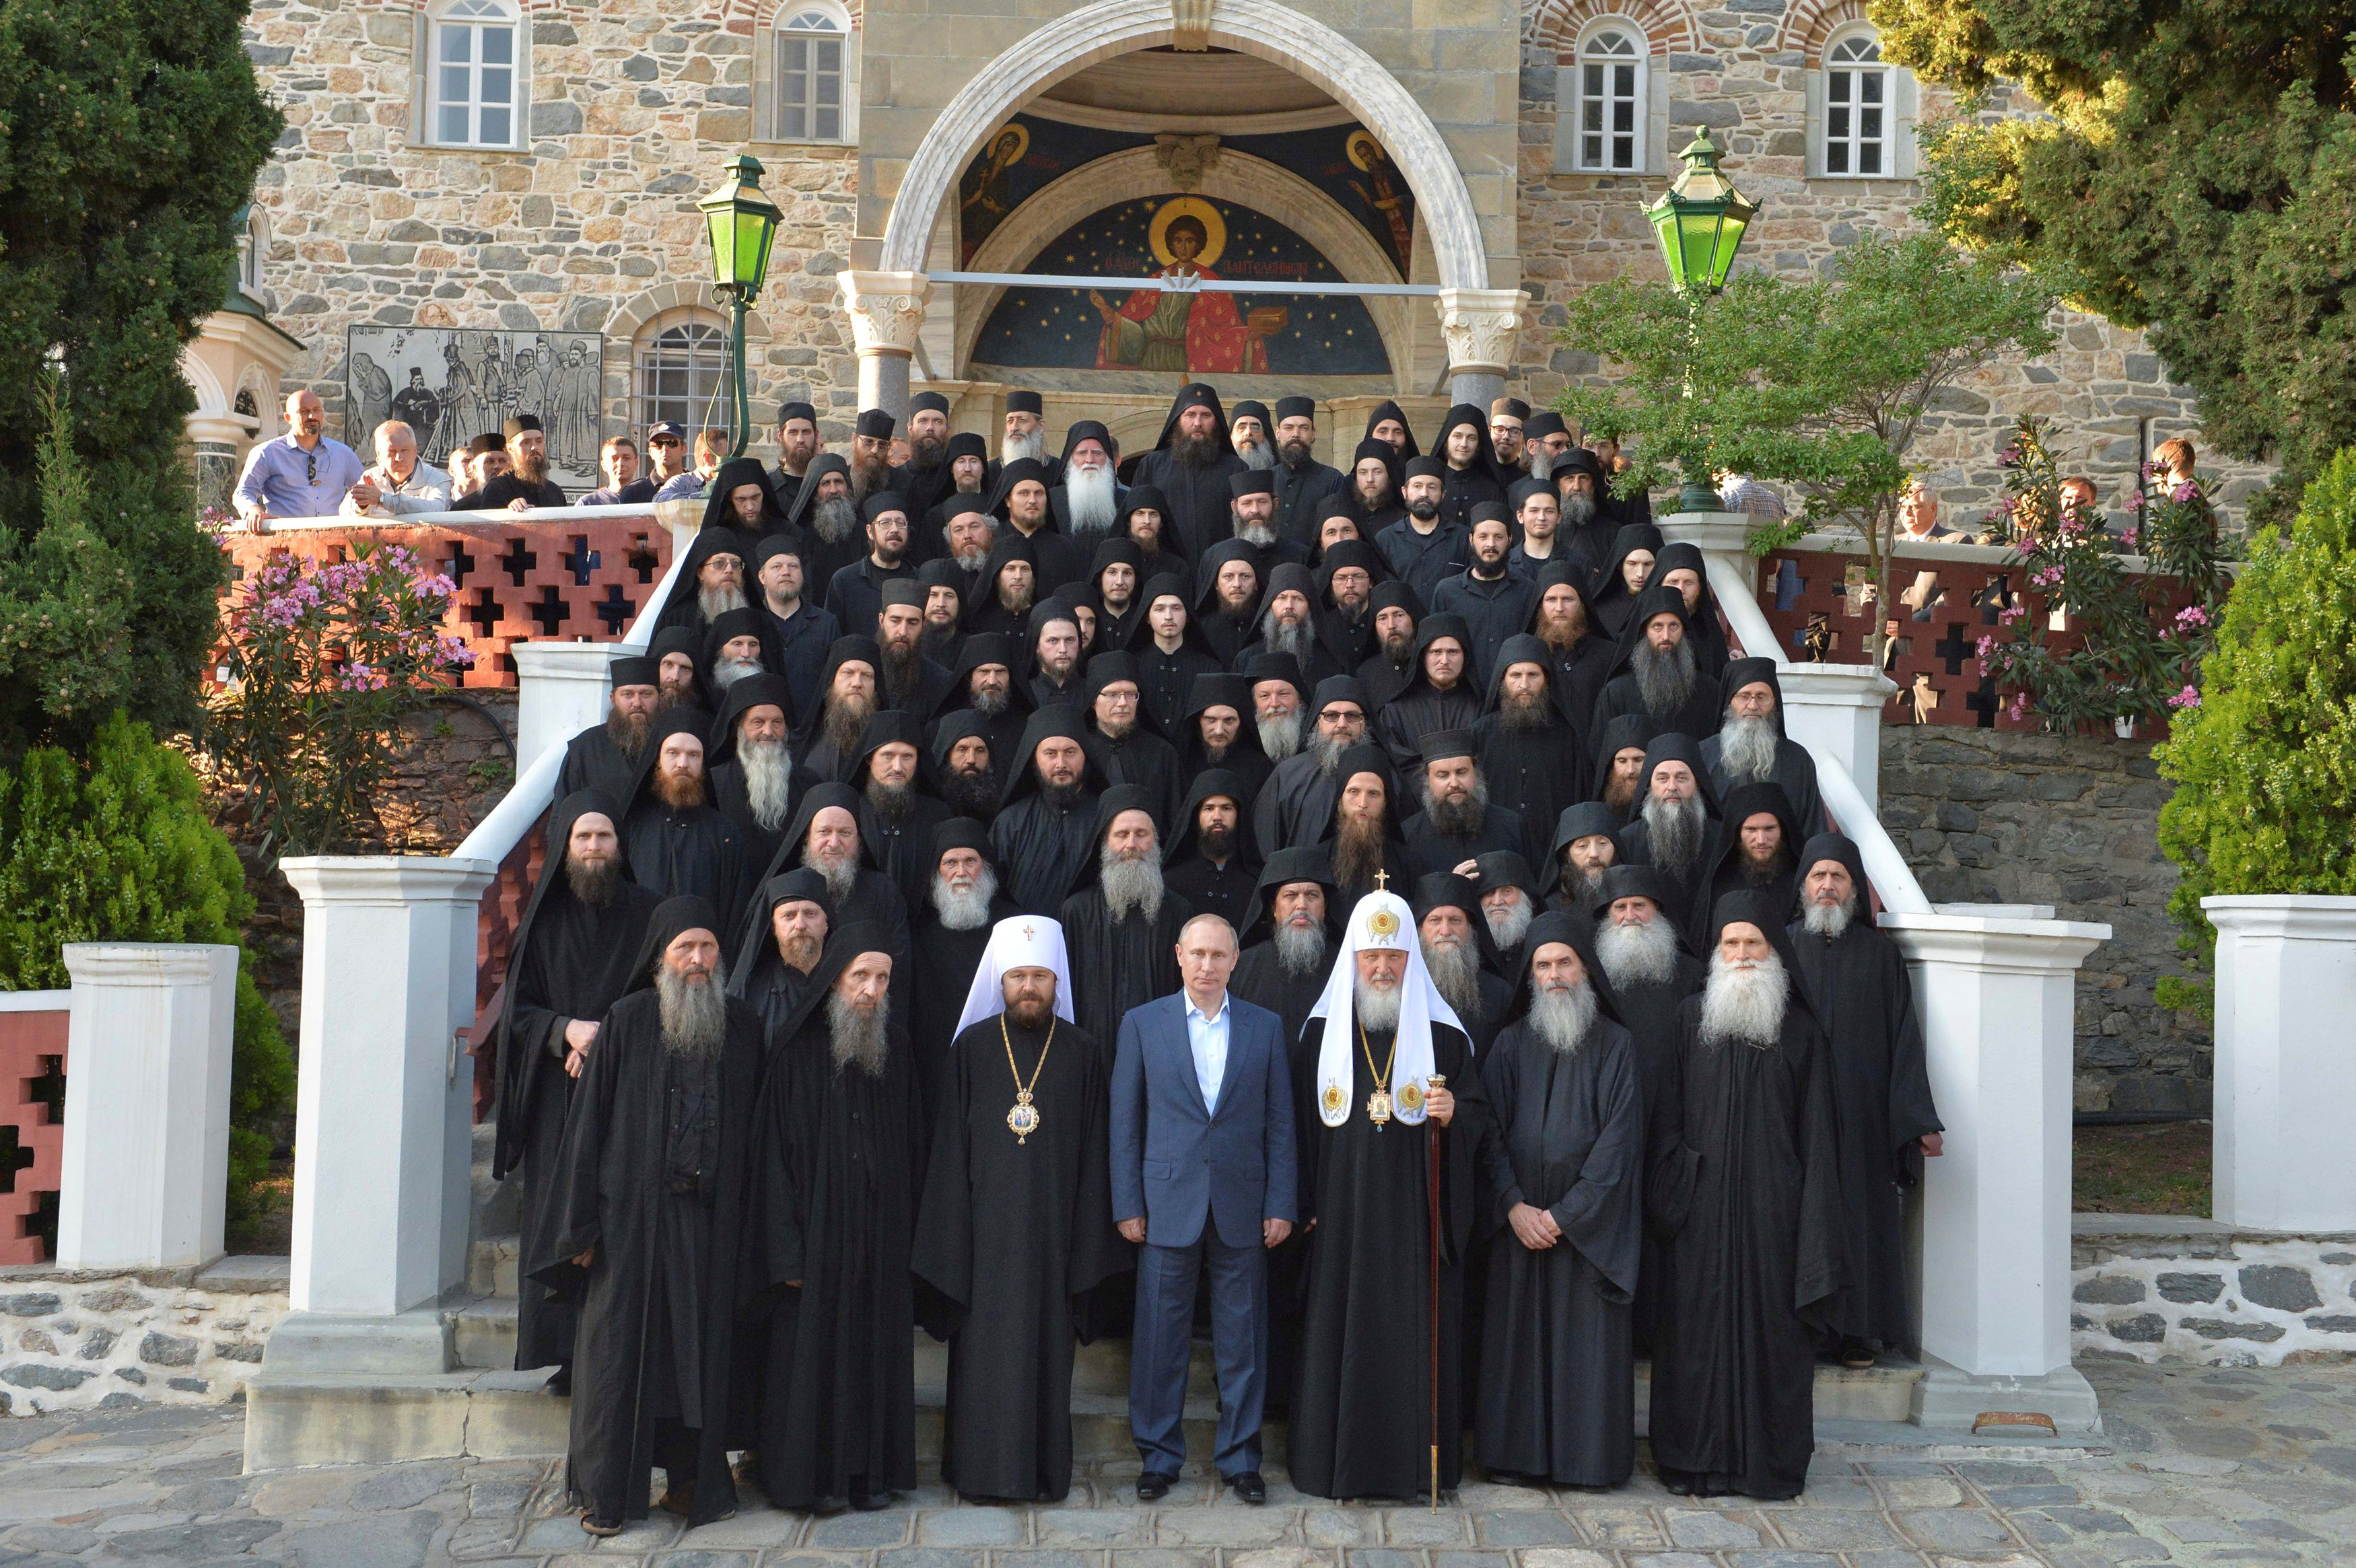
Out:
{"x": 475, "y": 1404}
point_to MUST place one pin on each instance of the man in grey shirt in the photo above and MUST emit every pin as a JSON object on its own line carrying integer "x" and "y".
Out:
{"x": 399, "y": 484}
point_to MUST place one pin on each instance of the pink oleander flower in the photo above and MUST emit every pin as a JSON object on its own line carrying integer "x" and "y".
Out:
{"x": 2188, "y": 697}
{"x": 2135, "y": 501}
{"x": 1985, "y": 646}
{"x": 2010, "y": 614}
{"x": 2188, "y": 491}
{"x": 2191, "y": 618}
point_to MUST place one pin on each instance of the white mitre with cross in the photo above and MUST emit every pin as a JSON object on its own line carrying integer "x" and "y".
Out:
{"x": 1018, "y": 942}
{"x": 1381, "y": 922}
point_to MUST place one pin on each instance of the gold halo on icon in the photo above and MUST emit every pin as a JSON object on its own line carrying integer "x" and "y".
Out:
{"x": 1364, "y": 150}
{"x": 1215, "y": 229}
{"x": 1021, "y": 136}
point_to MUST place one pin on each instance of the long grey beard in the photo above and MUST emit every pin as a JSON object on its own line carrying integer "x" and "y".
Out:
{"x": 694, "y": 1013}
{"x": 833, "y": 516}
{"x": 1328, "y": 750}
{"x": 768, "y": 780}
{"x": 1301, "y": 949}
{"x": 1456, "y": 816}
{"x": 728, "y": 672}
{"x": 1280, "y": 737}
{"x": 1745, "y": 748}
{"x": 1016, "y": 448}
{"x": 856, "y": 1033}
{"x": 1664, "y": 679}
{"x": 1088, "y": 500}
{"x": 989, "y": 702}
{"x": 1674, "y": 826}
{"x": 967, "y": 909}
{"x": 1130, "y": 885}
{"x": 1830, "y": 919}
{"x": 1562, "y": 1017}
{"x": 1637, "y": 953}
{"x": 1294, "y": 637}
{"x": 1377, "y": 1006}
{"x": 1455, "y": 970}
{"x": 1744, "y": 1004}
{"x": 717, "y": 601}
{"x": 841, "y": 874}
{"x": 1578, "y": 511}
{"x": 1259, "y": 535}
{"x": 1258, "y": 456}
{"x": 1506, "y": 930}
{"x": 1541, "y": 462}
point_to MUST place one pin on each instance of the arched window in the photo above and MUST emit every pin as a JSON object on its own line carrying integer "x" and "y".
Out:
{"x": 810, "y": 73}
{"x": 473, "y": 74}
{"x": 1859, "y": 117}
{"x": 1611, "y": 101}
{"x": 253, "y": 245}
{"x": 680, "y": 372}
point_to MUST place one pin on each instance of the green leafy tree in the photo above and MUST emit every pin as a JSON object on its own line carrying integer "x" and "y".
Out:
{"x": 2265, "y": 765}
{"x": 2196, "y": 177}
{"x": 1822, "y": 384}
{"x": 131, "y": 132}
{"x": 118, "y": 848}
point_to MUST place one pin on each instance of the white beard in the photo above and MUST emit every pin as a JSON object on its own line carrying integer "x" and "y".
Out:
{"x": 1279, "y": 738}
{"x": 728, "y": 672}
{"x": 694, "y": 1016}
{"x": 1745, "y": 1004}
{"x": 768, "y": 780}
{"x": 1674, "y": 829}
{"x": 1542, "y": 462}
{"x": 833, "y": 516}
{"x": 1301, "y": 949}
{"x": 1258, "y": 456}
{"x": 1745, "y": 748}
{"x": 1015, "y": 448}
{"x": 1377, "y": 1006}
{"x": 968, "y": 909}
{"x": 841, "y": 874}
{"x": 1830, "y": 919}
{"x": 1088, "y": 500}
{"x": 1258, "y": 535}
{"x": 857, "y": 1033}
{"x": 1562, "y": 1017}
{"x": 1294, "y": 637}
{"x": 1637, "y": 953}
{"x": 1578, "y": 511}
{"x": 1131, "y": 884}
{"x": 1455, "y": 970}
{"x": 717, "y": 601}
{"x": 1507, "y": 929}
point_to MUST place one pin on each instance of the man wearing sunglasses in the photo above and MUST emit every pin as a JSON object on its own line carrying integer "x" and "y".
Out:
{"x": 304, "y": 474}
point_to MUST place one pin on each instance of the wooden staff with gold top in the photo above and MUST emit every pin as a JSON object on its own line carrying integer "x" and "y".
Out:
{"x": 1432, "y": 1143}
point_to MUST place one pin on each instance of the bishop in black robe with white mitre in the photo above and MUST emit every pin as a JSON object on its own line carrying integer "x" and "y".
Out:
{"x": 1363, "y": 1398}
{"x": 1016, "y": 1231}
{"x": 830, "y": 1222}
{"x": 649, "y": 1188}
{"x": 1557, "y": 1391}
{"x": 571, "y": 963}
{"x": 1752, "y": 1196}
{"x": 1123, "y": 956}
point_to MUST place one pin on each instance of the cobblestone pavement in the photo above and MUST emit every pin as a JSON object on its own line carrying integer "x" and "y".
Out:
{"x": 2201, "y": 1464}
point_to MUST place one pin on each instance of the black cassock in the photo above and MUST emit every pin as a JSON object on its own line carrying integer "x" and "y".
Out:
{"x": 1533, "y": 774}
{"x": 1752, "y": 1196}
{"x": 1039, "y": 847}
{"x": 592, "y": 761}
{"x": 1881, "y": 1087}
{"x": 1429, "y": 849}
{"x": 652, "y": 1176}
{"x": 950, "y": 959}
{"x": 1558, "y": 1397}
{"x": 1014, "y": 1239}
{"x": 1260, "y": 978}
{"x": 1122, "y": 963}
{"x": 675, "y": 854}
{"x": 1652, "y": 1013}
{"x": 1361, "y": 1422}
{"x": 834, "y": 1206}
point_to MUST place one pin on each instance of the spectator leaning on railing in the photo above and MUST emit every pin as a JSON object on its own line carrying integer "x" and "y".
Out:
{"x": 399, "y": 485}
{"x": 304, "y": 474}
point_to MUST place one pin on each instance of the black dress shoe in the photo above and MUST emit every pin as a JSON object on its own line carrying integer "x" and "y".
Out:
{"x": 1248, "y": 1487}
{"x": 1153, "y": 1486}
{"x": 866, "y": 1501}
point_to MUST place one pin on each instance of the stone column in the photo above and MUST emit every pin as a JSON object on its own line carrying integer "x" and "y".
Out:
{"x": 1481, "y": 327}
{"x": 1834, "y": 709}
{"x": 559, "y": 691}
{"x": 887, "y": 312}
{"x": 383, "y": 1147}
{"x": 1996, "y": 997}
{"x": 146, "y": 1147}
{"x": 2286, "y": 1077}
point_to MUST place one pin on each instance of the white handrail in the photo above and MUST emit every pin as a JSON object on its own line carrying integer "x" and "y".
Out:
{"x": 553, "y": 514}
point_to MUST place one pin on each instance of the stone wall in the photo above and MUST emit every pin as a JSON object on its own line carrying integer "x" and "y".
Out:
{"x": 1990, "y": 817}
{"x": 74, "y": 1340}
{"x": 2144, "y": 1288}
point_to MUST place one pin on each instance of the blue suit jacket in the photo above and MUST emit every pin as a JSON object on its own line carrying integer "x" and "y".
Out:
{"x": 1176, "y": 1161}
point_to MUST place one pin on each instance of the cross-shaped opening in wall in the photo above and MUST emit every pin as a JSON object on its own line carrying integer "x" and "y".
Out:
{"x": 518, "y": 562}
{"x": 485, "y": 612}
{"x": 581, "y": 561}
{"x": 1983, "y": 704}
{"x": 642, "y": 558}
{"x": 459, "y": 564}
{"x": 614, "y": 610}
{"x": 1953, "y": 649}
{"x": 551, "y": 611}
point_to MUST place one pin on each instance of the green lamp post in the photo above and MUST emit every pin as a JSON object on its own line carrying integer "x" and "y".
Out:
{"x": 1701, "y": 219}
{"x": 742, "y": 223}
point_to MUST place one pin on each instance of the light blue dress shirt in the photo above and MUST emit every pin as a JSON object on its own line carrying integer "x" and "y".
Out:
{"x": 288, "y": 481}
{"x": 1207, "y": 1037}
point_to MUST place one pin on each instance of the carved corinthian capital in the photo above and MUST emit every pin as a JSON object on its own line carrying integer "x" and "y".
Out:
{"x": 1481, "y": 326}
{"x": 886, "y": 310}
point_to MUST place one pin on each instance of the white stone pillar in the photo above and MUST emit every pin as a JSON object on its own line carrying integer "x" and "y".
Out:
{"x": 146, "y": 1152}
{"x": 1997, "y": 1001}
{"x": 383, "y": 1107}
{"x": 1482, "y": 327}
{"x": 1724, "y": 540}
{"x": 559, "y": 691}
{"x": 1835, "y": 710}
{"x": 887, "y": 313}
{"x": 2285, "y": 1091}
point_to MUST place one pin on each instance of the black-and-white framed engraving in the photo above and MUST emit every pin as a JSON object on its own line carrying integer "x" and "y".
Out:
{"x": 453, "y": 384}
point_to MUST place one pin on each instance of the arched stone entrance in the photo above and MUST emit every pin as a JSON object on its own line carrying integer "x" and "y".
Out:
{"x": 887, "y": 304}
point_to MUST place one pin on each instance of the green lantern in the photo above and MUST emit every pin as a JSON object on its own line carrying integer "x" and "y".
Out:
{"x": 1701, "y": 219}
{"x": 742, "y": 223}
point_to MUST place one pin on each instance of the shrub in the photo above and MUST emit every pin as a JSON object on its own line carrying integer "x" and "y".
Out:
{"x": 120, "y": 850}
{"x": 2266, "y": 765}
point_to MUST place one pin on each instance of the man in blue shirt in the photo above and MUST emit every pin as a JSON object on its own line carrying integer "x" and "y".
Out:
{"x": 304, "y": 474}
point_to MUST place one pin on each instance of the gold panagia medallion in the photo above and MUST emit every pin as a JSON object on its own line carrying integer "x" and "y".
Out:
{"x": 1410, "y": 1096}
{"x": 1379, "y": 1107}
{"x": 1023, "y": 1120}
{"x": 1331, "y": 1098}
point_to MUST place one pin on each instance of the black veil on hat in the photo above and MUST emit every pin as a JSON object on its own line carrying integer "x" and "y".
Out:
{"x": 1388, "y": 410}
{"x": 672, "y": 919}
{"x": 1195, "y": 395}
{"x": 824, "y": 464}
{"x": 1574, "y": 930}
{"x": 1311, "y": 864}
{"x": 735, "y": 474}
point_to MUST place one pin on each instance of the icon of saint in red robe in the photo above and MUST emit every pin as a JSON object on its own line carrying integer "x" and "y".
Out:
{"x": 1193, "y": 333}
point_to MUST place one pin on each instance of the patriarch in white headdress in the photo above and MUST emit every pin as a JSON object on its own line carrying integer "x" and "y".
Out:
{"x": 1405, "y": 1007}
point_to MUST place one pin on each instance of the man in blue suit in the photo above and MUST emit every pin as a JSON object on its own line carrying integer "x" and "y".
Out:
{"x": 1201, "y": 1180}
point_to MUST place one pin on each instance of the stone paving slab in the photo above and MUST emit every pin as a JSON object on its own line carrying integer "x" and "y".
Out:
{"x": 2200, "y": 1465}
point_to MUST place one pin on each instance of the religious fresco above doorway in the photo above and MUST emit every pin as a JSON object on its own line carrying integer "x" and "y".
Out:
{"x": 1345, "y": 161}
{"x": 1191, "y": 333}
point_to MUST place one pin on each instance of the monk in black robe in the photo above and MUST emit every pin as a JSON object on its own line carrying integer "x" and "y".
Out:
{"x": 711, "y": 582}
{"x": 1579, "y": 656}
{"x": 1459, "y": 823}
{"x": 1016, "y": 1234}
{"x": 831, "y": 1218}
{"x": 1558, "y": 1372}
{"x": 893, "y": 774}
{"x": 833, "y": 833}
{"x": 1533, "y": 761}
{"x": 1756, "y": 847}
{"x": 751, "y": 763}
{"x": 828, "y": 740}
{"x": 1126, "y": 746}
{"x": 1288, "y": 938}
{"x": 648, "y": 1217}
{"x": 1190, "y": 464}
{"x": 604, "y": 757}
{"x": 1363, "y": 840}
{"x": 1122, "y": 929}
{"x": 1439, "y": 697}
{"x": 1218, "y": 732}
{"x": 1881, "y": 1086}
{"x": 1456, "y": 952}
{"x": 774, "y": 975}
{"x": 985, "y": 686}
{"x": 1171, "y": 653}
{"x": 1585, "y": 847}
{"x": 952, "y": 926}
{"x": 1296, "y": 808}
{"x": 1751, "y": 1195}
{"x": 1211, "y": 861}
{"x": 1626, "y": 572}
{"x": 1044, "y": 833}
{"x": 1750, "y": 747}
{"x": 1656, "y": 674}
{"x": 1389, "y": 665}
{"x": 569, "y": 964}
{"x": 679, "y": 845}
{"x": 1674, "y": 824}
